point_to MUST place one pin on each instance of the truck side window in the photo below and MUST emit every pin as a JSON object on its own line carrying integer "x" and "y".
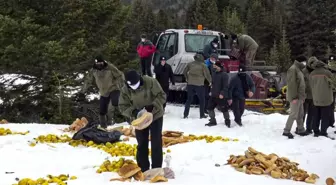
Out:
{"x": 160, "y": 48}
{"x": 167, "y": 46}
{"x": 171, "y": 48}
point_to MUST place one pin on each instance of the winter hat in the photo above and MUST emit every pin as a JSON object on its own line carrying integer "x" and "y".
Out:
{"x": 162, "y": 58}
{"x": 99, "y": 58}
{"x": 301, "y": 58}
{"x": 132, "y": 78}
{"x": 214, "y": 55}
{"x": 215, "y": 40}
{"x": 199, "y": 57}
{"x": 143, "y": 36}
{"x": 234, "y": 36}
{"x": 219, "y": 64}
{"x": 242, "y": 68}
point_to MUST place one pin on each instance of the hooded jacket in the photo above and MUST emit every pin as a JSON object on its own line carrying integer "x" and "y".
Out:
{"x": 196, "y": 72}
{"x": 320, "y": 83}
{"x": 145, "y": 49}
{"x": 149, "y": 93}
{"x": 306, "y": 71}
{"x": 107, "y": 80}
{"x": 295, "y": 82}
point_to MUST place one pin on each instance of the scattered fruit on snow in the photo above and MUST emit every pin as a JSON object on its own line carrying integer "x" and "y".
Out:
{"x": 58, "y": 180}
{"x": 330, "y": 181}
{"x": 6, "y": 131}
{"x": 3, "y": 121}
{"x": 257, "y": 163}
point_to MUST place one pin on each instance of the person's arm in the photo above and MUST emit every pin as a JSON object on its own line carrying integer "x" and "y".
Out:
{"x": 125, "y": 104}
{"x": 158, "y": 69}
{"x": 87, "y": 82}
{"x": 171, "y": 75}
{"x": 250, "y": 83}
{"x": 206, "y": 73}
{"x": 151, "y": 48}
{"x": 159, "y": 97}
{"x": 225, "y": 85}
{"x": 185, "y": 72}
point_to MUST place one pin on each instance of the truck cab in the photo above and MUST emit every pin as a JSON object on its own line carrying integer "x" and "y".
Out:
{"x": 180, "y": 45}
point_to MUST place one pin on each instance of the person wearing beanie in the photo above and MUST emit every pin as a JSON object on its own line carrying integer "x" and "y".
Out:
{"x": 295, "y": 96}
{"x": 321, "y": 83}
{"x": 211, "y": 48}
{"x": 164, "y": 73}
{"x": 219, "y": 95}
{"x": 308, "y": 105}
{"x": 247, "y": 46}
{"x": 145, "y": 49}
{"x": 241, "y": 87}
{"x": 195, "y": 74}
{"x": 109, "y": 80}
{"x": 144, "y": 93}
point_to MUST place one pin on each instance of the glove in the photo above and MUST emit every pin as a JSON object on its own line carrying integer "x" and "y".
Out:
{"x": 149, "y": 108}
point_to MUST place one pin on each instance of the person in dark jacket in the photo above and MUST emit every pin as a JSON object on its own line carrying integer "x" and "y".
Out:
{"x": 109, "y": 81}
{"x": 164, "y": 73}
{"x": 209, "y": 63}
{"x": 145, "y": 50}
{"x": 308, "y": 105}
{"x": 241, "y": 87}
{"x": 219, "y": 95}
{"x": 211, "y": 48}
{"x": 195, "y": 73}
{"x": 144, "y": 93}
{"x": 322, "y": 91}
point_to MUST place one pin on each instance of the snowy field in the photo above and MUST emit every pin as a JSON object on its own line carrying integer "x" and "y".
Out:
{"x": 193, "y": 163}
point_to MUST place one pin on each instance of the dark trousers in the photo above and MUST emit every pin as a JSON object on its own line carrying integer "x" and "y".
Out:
{"x": 206, "y": 94}
{"x": 308, "y": 109}
{"x": 191, "y": 91}
{"x": 105, "y": 101}
{"x": 332, "y": 112}
{"x": 238, "y": 108}
{"x": 146, "y": 65}
{"x": 222, "y": 106}
{"x": 321, "y": 117}
{"x": 142, "y": 137}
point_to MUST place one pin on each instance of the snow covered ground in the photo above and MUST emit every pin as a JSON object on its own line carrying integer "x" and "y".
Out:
{"x": 193, "y": 163}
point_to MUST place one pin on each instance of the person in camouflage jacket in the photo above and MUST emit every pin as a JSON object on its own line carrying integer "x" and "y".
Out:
{"x": 109, "y": 81}
{"x": 144, "y": 93}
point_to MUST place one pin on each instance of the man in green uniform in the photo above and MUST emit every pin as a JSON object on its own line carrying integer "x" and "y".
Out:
{"x": 322, "y": 92}
{"x": 247, "y": 46}
{"x": 295, "y": 95}
{"x": 144, "y": 93}
{"x": 109, "y": 81}
{"x": 195, "y": 74}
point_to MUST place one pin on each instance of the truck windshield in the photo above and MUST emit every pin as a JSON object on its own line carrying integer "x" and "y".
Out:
{"x": 196, "y": 42}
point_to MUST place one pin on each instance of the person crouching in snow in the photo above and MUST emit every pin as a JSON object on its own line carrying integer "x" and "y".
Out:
{"x": 241, "y": 87}
{"x": 219, "y": 95}
{"x": 144, "y": 93}
{"x": 164, "y": 73}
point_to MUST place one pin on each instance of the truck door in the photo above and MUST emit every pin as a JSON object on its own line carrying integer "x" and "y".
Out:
{"x": 167, "y": 46}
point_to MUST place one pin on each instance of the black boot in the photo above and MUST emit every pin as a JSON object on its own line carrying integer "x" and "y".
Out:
{"x": 211, "y": 123}
{"x": 239, "y": 123}
{"x": 103, "y": 121}
{"x": 308, "y": 132}
{"x": 203, "y": 116}
{"x": 302, "y": 133}
{"x": 289, "y": 135}
{"x": 228, "y": 123}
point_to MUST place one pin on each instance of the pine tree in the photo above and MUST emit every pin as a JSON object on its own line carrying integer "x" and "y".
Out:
{"x": 273, "y": 56}
{"x": 163, "y": 21}
{"x": 203, "y": 12}
{"x": 232, "y": 23}
{"x": 284, "y": 53}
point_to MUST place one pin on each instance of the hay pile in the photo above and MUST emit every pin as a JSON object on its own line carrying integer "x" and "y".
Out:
{"x": 257, "y": 163}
